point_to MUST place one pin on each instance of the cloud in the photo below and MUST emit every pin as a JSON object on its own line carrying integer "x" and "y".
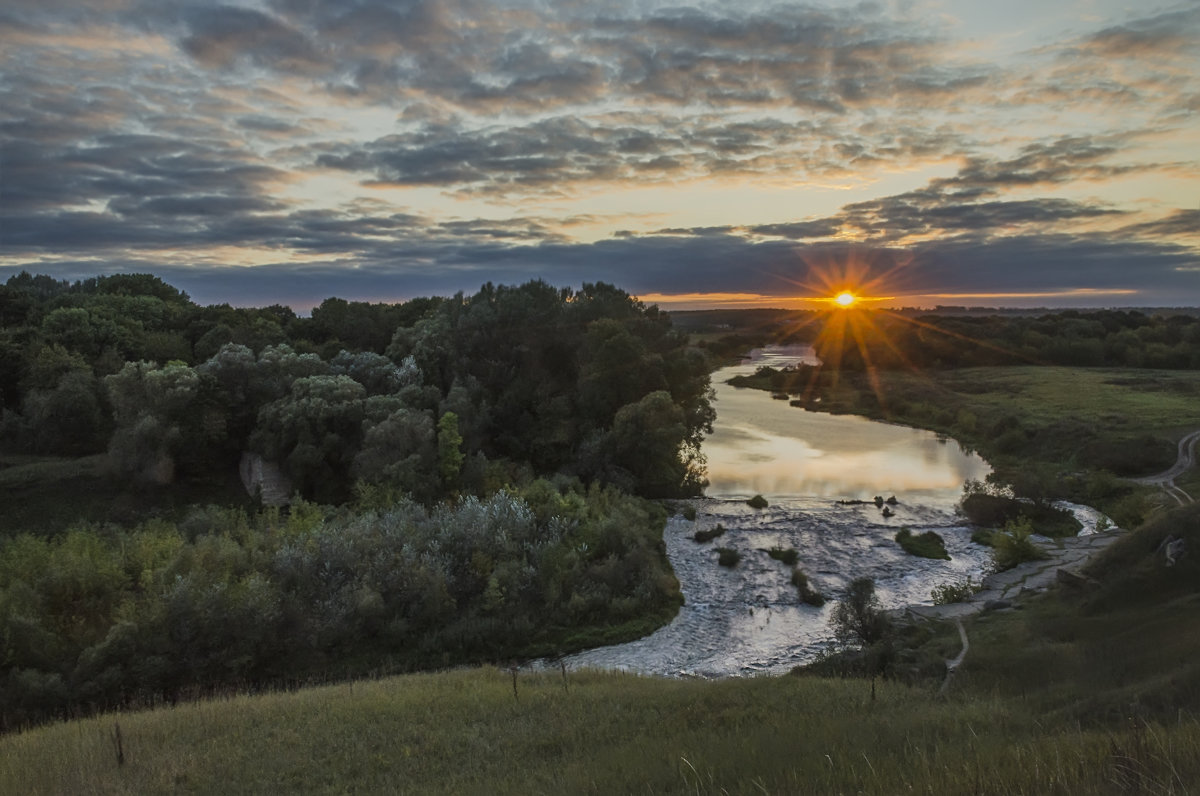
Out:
{"x": 563, "y": 154}
{"x": 137, "y": 130}
{"x": 220, "y": 36}
{"x": 1170, "y": 33}
{"x": 1180, "y": 223}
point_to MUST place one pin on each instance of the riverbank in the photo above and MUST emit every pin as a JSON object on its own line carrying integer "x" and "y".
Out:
{"x": 1005, "y": 590}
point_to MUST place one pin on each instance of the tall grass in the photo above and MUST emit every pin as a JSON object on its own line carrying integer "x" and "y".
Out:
{"x": 462, "y": 732}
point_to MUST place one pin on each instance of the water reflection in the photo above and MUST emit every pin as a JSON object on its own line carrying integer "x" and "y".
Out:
{"x": 772, "y": 448}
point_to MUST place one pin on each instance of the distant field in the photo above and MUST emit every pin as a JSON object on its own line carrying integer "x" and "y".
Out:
{"x": 1153, "y": 401}
{"x": 1163, "y": 402}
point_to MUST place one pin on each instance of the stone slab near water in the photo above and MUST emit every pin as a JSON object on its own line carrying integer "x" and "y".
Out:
{"x": 1067, "y": 555}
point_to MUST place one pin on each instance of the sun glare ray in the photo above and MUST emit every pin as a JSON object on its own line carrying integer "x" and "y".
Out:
{"x": 854, "y": 338}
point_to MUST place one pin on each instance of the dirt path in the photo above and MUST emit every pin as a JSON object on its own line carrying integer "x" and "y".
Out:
{"x": 952, "y": 665}
{"x": 1185, "y": 461}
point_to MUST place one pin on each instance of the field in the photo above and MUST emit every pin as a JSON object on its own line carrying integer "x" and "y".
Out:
{"x": 1164, "y": 402}
{"x": 1137, "y": 401}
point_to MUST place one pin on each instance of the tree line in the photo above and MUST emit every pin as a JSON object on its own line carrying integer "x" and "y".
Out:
{"x": 438, "y": 396}
{"x": 1101, "y": 338}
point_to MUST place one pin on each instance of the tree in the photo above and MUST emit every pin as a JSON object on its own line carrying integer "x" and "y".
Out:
{"x": 400, "y": 451}
{"x": 858, "y": 616}
{"x": 68, "y": 418}
{"x": 160, "y": 417}
{"x": 450, "y": 455}
{"x": 314, "y": 433}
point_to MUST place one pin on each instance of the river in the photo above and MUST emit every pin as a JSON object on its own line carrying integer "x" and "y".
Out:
{"x": 749, "y": 620}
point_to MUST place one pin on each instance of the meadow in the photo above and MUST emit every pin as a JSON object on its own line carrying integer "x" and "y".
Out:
{"x": 464, "y": 732}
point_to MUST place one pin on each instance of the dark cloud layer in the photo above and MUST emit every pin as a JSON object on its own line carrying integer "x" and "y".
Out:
{"x": 131, "y": 128}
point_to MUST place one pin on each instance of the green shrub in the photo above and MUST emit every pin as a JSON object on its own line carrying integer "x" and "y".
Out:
{"x": 710, "y": 534}
{"x": 925, "y": 545}
{"x": 785, "y": 554}
{"x": 1012, "y": 546}
{"x": 983, "y": 536}
{"x": 992, "y": 510}
{"x": 807, "y": 593}
{"x": 947, "y": 593}
{"x": 689, "y": 513}
{"x": 728, "y": 557}
{"x": 757, "y": 502}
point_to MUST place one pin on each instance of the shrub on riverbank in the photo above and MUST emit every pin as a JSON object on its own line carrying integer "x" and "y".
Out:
{"x": 983, "y": 536}
{"x": 994, "y": 510}
{"x": 757, "y": 502}
{"x": 925, "y": 545}
{"x": 728, "y": 557}
{"x": 858, "y": 618}
{"x": 787, "y": 555}
{"x": 947, "y": 593}
{"x": 1013, "y": 545}
{"x": 807, "y": 593}
{"x": 708, "y": 535}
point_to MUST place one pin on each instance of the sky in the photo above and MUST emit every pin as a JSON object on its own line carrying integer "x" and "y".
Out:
{"x": 926, "y": 152}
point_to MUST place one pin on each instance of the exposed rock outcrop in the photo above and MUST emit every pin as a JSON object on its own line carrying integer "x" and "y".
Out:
{"x": 1172, "y": 548}
{"x": 264, "y": 478}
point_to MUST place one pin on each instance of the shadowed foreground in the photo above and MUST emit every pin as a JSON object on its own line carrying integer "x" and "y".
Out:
{"x": 463, "y": 731}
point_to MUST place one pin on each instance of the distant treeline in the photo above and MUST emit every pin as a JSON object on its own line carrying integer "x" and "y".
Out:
{"x": 1113, "y": 338}
{"x": 434, "y": 396}
{"x": 103, "y": 617}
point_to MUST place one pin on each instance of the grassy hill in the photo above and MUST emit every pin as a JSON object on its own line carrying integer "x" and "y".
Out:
{"x": 1091, "y": 691}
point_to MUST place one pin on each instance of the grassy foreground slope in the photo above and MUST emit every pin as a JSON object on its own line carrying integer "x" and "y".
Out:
{"x": 463, "y": 732}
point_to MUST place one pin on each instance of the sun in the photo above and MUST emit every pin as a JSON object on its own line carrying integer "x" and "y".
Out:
{"x": 845, "y": 299}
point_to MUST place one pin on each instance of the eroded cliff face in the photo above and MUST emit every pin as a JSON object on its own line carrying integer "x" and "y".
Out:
{"x": 264, "y": 478}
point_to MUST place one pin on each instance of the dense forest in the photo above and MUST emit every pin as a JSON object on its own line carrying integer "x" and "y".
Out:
{"x": 432, "y": 396}
{"x": 469, "y": 480}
